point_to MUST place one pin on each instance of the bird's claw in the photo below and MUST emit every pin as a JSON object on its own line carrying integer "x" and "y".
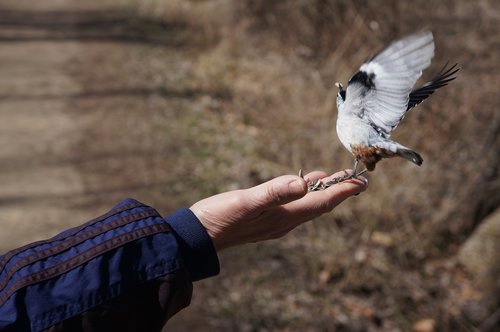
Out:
{"x": 313, "y": 186}
{"x": 319, "y": 185}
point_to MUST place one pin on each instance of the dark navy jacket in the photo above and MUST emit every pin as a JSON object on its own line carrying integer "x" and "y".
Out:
{"x": 128, "y": 270}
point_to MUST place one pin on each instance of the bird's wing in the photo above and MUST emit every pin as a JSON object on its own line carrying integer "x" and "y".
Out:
{"x": 380, "y": 90}
{"x": 442, "y": 79}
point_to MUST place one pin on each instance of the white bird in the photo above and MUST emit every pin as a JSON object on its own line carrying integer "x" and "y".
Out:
{"x": 378, "y": 96}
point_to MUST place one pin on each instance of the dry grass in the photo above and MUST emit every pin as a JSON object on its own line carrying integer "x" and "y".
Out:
{"x": 248, "y": 94}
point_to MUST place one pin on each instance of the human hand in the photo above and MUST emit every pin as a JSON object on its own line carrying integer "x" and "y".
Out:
{"x": 270, "y": 210}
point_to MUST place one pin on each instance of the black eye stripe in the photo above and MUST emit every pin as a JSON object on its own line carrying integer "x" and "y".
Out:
{"x": 342, "y": 94}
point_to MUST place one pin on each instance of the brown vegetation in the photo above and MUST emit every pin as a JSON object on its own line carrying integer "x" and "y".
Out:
{"x": 385, "y": 260}
{"x": 211, "y": 95}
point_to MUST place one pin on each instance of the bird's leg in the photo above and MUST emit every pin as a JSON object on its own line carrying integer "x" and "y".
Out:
{"x": 346, "y": 176}
{"x": 320, "y": 185}
{"x": 353, "y": 175}
{"x": 362, "y": 172}
{"x": 354, "y": 168}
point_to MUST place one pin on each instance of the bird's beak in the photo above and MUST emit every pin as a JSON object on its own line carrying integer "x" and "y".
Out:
{"x": 339, "y": 86}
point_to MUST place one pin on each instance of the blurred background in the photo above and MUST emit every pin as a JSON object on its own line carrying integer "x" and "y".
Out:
{"x": 170, "y": 101}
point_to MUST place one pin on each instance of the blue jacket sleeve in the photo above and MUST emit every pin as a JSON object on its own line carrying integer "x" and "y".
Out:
{"x": 47, "y": 282}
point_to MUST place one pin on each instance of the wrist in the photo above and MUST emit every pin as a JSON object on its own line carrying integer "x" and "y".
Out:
{"x": 212, "y": 227}
{"x": 195, "y": 243}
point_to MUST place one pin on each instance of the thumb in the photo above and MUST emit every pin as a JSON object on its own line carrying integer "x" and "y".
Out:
{"x": 278, "y": 191}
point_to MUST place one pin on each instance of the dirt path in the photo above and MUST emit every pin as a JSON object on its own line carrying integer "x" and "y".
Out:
{"x": 66, "y": 99}
{"x": 78, "y": 116}
{"x": 37, "y": 132}
{"x": 81, "y": 100}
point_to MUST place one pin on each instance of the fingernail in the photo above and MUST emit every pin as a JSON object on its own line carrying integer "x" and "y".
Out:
{"x": 297, "y": 187}
{"x": 365, "y": 181}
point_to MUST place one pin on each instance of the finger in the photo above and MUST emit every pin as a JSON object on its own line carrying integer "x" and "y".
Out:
{"x": 320, "y": 202}
{"x": 343, "y": 189}
{"x": 338, "y": 174}
{"x": 314, "y": 176}
{"x": 341, "y": 174}
{"x": 277, "y": 191}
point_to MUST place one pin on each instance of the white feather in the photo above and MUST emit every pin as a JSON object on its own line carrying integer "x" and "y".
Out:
{"x": 394, "y": 71}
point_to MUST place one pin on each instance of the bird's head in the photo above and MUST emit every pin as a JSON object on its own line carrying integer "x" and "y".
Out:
{"x": 340, "y": 94}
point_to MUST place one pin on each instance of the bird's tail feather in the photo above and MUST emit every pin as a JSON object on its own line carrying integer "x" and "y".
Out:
{"x": 410, "y": 155}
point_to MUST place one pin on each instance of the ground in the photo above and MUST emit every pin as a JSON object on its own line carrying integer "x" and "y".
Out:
{"x": 71, "y": 133}
{"x": 171, "y": 101}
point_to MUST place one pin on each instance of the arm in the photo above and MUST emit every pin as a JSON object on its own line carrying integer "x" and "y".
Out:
{"x": 270, "y": 210}
{"x": 131, "y": 269}
{"x": 126, "y": 270}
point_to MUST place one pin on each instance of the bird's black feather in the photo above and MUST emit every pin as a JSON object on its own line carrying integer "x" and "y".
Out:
{"x": 363, "y": 78}
{"x": 342, "y": 94}
{"x": 442, "y": 79}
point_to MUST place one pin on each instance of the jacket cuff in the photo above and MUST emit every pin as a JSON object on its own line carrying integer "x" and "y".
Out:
{"x": 196, "y": 245}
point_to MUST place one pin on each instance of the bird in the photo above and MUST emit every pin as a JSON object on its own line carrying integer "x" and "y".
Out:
{"x": 378, "y": 96}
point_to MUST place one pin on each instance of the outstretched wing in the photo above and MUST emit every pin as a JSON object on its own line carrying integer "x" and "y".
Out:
{"x": 442, "y": 79}
{"x": 380, "y": 90}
